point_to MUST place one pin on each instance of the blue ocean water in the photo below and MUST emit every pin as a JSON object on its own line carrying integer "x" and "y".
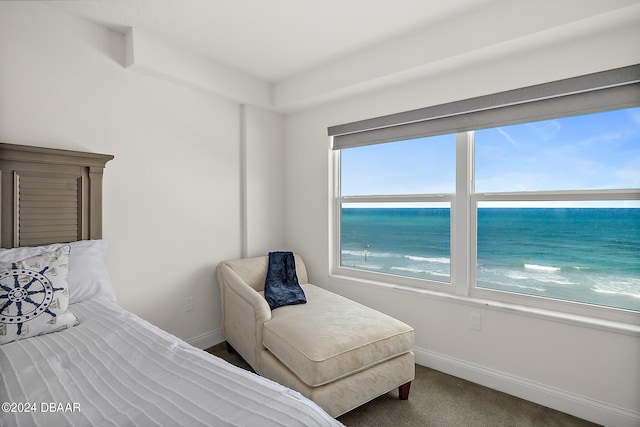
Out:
{"x": 588, "y": 255}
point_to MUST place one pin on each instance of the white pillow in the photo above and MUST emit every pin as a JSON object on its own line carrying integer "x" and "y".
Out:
{"x": 88, "y": 275}
{"x": 34, "y": 296}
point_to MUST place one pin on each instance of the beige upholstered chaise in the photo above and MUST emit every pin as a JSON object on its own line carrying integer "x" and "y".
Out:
{"x": 335, "y": 351}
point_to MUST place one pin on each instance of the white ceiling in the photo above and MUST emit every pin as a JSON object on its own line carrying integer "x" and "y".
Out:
{"x": 299, "y": 53}
{"x": 272, "y": 39}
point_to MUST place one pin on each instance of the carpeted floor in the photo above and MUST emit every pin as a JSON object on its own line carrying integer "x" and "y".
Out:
{"x": 438, "y": 399}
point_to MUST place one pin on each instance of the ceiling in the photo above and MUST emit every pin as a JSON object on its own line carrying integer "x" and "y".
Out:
{"x": 291, "y": 54}
{"x": 272, "y": 39}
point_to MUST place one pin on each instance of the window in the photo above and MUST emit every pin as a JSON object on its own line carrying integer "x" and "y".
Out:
{"x": 393, "y": 216}
{"x": 410, "y": 240}
{"x": 530, "y": 200}
{"x": 578, "y": 237}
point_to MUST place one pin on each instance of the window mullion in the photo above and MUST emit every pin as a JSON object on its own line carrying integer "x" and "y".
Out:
{"x": 460, "y": 215}
{"x": 335, "y": 226}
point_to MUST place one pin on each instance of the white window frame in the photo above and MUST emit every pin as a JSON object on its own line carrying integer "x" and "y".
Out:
{"x": 464, "y": 202}
{"x": 553, "y": 304}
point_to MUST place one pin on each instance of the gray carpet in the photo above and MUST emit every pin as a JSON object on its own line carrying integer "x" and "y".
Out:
{"x": 438, "y": 399}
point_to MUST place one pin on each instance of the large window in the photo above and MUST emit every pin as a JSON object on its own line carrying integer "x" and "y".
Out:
{"x": 577, "y": 238}
{"x": 534, "y": 212}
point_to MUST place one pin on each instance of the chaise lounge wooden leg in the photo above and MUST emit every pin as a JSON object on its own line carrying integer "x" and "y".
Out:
{"x": 403, "y": 391}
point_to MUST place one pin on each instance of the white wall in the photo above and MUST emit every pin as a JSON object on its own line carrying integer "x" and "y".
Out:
{"x": 264, "y": 175}
{"x": 197, "y": 179}
{"x": 592, "y": 373}
{"x": 172, "y": 198}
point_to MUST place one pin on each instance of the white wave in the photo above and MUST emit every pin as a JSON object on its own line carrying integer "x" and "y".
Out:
{"x": 354, "y": 253}
{"x": 411, "y": 270}
{"x": 490, "y": 283}
{"x": 370, "y": 254}
{"x": 421, "y": 271}
{"x": 517, "y": 275}
{"x": 363, "y": 266}
{"x": 540, "y": 277}
{"x": 616, "y": 292}
{"x": 541, "y": 267}
{"x": 383, "y": 255}
{"x": 440, "y": 260}
{"x": 437, "y": 273}
{"x": 535, "y": 288}
{"x": 620, "y": 286}
{"x": 555, "y": 280}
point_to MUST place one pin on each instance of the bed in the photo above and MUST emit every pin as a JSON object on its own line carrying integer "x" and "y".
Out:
{"x": 69, "y": 354}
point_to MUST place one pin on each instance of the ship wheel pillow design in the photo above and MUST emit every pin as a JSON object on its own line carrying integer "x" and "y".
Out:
{"x": 34, "y": 296}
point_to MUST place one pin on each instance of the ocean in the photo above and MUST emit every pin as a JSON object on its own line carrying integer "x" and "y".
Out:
{"x": 589, "y": 255}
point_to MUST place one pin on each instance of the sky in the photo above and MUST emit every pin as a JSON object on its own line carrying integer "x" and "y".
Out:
{"x": 596, "y": 151}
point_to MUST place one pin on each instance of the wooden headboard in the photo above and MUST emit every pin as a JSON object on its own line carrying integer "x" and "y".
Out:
{"x": 49, "y": 195}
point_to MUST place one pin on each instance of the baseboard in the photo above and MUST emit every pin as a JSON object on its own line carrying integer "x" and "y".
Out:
{"x": 207, "y": 340}
{"x": 551, "y": 397}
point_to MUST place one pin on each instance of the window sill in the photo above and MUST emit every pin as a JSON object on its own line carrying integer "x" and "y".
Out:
{"x": 522, "y": 310}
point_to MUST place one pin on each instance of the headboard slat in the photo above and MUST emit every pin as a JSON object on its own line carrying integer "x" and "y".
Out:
{"x": 49, "y": 195}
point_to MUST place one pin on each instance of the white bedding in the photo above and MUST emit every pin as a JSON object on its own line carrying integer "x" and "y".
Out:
{"x": 115, "y": 369}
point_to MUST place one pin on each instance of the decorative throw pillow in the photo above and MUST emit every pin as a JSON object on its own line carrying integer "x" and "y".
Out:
{"x": 88, "y": 275}
{"x": 281, "y": 286}
{"x": 34, "y": 296}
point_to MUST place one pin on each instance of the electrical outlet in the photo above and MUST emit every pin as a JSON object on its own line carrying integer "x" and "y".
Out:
{"x": 188, "y": 304}
{"x": 475, "y": 321}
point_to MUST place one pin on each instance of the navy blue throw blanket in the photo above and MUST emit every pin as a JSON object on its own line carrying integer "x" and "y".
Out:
{"x": 281, "y": 286}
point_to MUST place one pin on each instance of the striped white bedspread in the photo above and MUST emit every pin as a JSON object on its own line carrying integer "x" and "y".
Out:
{"x": 115, "y": 369}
